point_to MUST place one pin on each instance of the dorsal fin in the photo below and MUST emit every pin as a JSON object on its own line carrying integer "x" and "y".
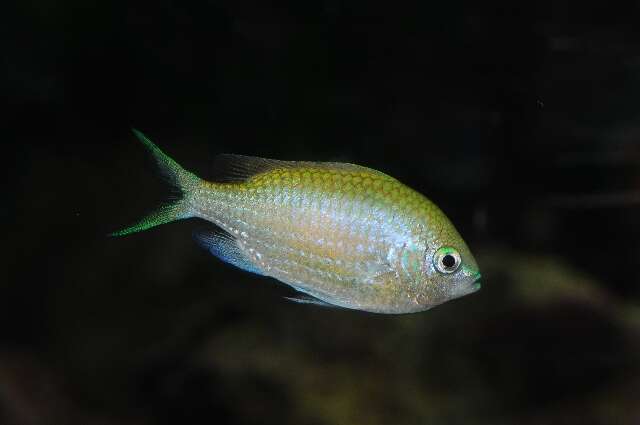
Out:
{"x": 230, "y": 168}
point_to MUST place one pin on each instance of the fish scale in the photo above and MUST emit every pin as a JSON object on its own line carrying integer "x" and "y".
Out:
{"x": 344, "y": 234}
{"x": 294, "y": 227}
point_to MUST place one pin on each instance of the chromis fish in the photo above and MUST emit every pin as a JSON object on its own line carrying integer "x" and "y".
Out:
{"x": 340, "y": 234}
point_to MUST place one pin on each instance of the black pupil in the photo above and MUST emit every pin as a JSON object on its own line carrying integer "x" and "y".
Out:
{"x": 449, "y": 261}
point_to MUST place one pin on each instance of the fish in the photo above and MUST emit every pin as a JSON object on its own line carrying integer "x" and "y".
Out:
{"x": 340, "y": 234}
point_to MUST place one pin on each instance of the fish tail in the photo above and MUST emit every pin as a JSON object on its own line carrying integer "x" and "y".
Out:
{"x": 179, "y": 178}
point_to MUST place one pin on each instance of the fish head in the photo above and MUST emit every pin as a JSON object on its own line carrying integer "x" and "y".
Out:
{"x": 449, "y": 269}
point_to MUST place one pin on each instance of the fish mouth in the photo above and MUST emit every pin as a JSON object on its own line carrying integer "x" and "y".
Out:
{"x": 476, "y": 284}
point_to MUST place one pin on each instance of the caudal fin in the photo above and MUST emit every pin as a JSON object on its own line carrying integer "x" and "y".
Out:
{"x": 178, "y": 177}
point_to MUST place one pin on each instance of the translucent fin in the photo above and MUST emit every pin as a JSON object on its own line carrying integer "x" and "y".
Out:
{"x": 225, "y": 247}
{"x": 239, "y": 168}
{"x": 178, "y": 177}
{"x": 308, "y": 299}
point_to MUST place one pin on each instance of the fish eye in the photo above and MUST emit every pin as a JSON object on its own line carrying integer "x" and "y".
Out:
{"x": 447, "y": 260}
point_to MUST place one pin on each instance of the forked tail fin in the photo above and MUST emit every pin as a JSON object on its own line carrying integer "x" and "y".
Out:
{"x": 179, "y": 178}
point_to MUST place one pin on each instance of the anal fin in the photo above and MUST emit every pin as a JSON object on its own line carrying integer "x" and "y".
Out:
{"x": 225, "y": 247}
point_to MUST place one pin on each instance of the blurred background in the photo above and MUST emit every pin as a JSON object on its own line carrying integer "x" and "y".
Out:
{"x": 520, "y": 120}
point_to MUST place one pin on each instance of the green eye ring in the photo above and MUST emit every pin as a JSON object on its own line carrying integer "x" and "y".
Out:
{"x": 447, "y": 260}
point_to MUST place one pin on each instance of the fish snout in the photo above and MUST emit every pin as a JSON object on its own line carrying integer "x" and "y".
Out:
{"x": 476, "y": 283}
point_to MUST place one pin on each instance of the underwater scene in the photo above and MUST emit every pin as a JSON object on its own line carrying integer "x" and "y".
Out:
{"x": 332, "y": 212}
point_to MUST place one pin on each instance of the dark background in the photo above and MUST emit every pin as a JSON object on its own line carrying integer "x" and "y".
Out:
{"x": 520, "y": 119}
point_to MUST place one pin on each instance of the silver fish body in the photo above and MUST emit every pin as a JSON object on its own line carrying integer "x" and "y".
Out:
{"x": 342, "y": 234}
